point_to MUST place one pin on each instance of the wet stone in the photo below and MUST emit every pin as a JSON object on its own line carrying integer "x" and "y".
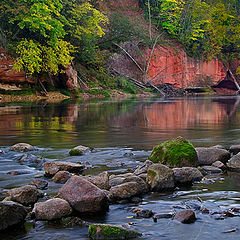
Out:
{"x": 22, "y": 147}
{"x": 39, "y": 183}
{"x": 234, "y": 149}
{"x": 31, "y": 160}
{"x": 163, "y": 215}
{"x": 220, "y": 165}
{"x": 144, "y": 213}
{"x": 62, "y": 176}
{"x": 211, "y": 170}
{"x": 186, "y": 216}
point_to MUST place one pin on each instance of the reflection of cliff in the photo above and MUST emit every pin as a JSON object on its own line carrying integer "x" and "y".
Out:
{"x": 180, "y": 114}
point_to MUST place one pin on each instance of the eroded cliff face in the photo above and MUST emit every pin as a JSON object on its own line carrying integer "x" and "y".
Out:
{"x": 7, "y": 74}
{"x": 173, "y": 66}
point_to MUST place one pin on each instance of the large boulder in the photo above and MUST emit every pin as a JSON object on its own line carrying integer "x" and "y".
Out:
{"x": 234, "y": 163}
{"x": 22, "y": 147}
{"x": 177, "y": 152}
{"x": 25, "y": 195}
{"x": 110, "y": 232}
{"x": 101, "y": 180}
{"x": 83, "y": 196}
{"x": 186, "y": 175}
{"x": 11, "y": 214}
{"x": 51, "y": 168}
{"x": 52, "y": 209}
{"x": 209, "y": 155}
{"x": 160, "y": 178}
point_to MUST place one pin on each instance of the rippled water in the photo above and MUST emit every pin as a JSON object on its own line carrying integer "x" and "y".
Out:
{"x": 122, "y": 134}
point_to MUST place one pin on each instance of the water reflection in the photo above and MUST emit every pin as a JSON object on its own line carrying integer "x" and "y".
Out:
{"x": 134, "y": 123}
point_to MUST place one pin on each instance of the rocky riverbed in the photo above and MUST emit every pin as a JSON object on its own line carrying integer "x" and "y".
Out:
{"x": 79, "y": 197}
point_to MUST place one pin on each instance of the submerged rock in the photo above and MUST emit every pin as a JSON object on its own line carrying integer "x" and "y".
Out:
{"x": 83, "y": 196}
{"x": 160, "y": 177}
{"x": 110, "y": 232}
{"x": 52, "y": 209}
{"x": 11, "y": 214}
{"x": 220, "y": 165}
{"x": 210, "y": 170}
{"x": 51, "y": 168}
{"x": 79, "y": 150}
{"x": 101, "y": 180}
{"x": 22, "y": 147}
{"x": 25, "y": 195}
{"x": 31, "y": 160}
{"x": 234, "y": 163}
{"x": 177, "y": 152}
{"x": 144, "y": 213}
{"x": 209, "y": 155}
{"x": 187, "y": 175}
{"x": 186, "y": 216}
{"x": 62, "y": 176}
{"x": 39, "y": 183}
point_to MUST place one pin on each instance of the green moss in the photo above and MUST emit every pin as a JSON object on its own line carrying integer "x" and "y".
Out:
{"x": 152, "y": 173}
{"x": 177, "y": 152}
{"x": 65, "y": 92}
{"x": 75, "y": 152}
{"x": 110, "y": 232}
{"x": 98, "y": 92}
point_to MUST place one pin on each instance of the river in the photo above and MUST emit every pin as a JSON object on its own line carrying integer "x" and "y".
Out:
{"x": 122, "y": 134}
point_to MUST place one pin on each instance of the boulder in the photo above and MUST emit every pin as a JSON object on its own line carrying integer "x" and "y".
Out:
{"x": 125, "y": 191}
{"x": 177, "y": 152}
{"x": 11, "y": 214}
{"x": 83, "y": 196}
{"x": 79, "y": 150}
{"x": 62, "y": 176}
{"x": 31, "y": 160}
{"x": 25, "y": 195}
{"x": 110, "y": 232}
{"x": 210, "y": 170}
{"x": 143, "y": 169}
{"x": 186, "y": 175}
{"x": 22, "y": 147}
{"x": 51, "y": 168}
{"x": 39, "y": 183}
{"x": 209, "y": 155}
{"x": 119, "y": 179}
{"x": 234, "y": 149}
{"x": 160, "y": 177}
{"x": 234, "y": 163}
{"x": 52, "y": 209}
{"x": 144, "y": 213}
{"x": 186, "y": 216}
{"x": 101, "y": 180}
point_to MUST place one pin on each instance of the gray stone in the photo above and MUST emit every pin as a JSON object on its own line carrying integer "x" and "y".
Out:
{"x": 143, "y": 169}
{"x": 11, "y": 214}
{"x": 62, "y": 176}
{"x": 186, "y": 216}
{"x": 211, "y": 170}
{"x": 25, "y": 195}
{"x": 22, "y": 147}
{"x": 187, "y": 175}
{"x": 234, "y": 149}
{"x": 51, "y": 168}
{"x": 110, "y": 232}
{"x": 220, "y": 165}
{"x": 83, "y": 196}
{"x": 52, "y": 209}
{"x": 160, "y": 177}
{"x": 144, "y": 213}
{"x": 79, "y": 150}
{"x": 31, "y": 160}
{"x": 234, "y": 163}
{"x": 207, "y": 156}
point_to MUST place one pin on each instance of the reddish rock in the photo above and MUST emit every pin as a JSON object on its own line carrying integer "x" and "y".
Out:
{"x": 186, "y": 216}
{"x": 62, "y": 176}
{"x": 83, "y": 196}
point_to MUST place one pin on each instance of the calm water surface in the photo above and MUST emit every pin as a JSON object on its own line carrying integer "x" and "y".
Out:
{"x": 122, "y": 134}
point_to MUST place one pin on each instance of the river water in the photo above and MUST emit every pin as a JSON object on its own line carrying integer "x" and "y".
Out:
{"x": 122, "y": 134}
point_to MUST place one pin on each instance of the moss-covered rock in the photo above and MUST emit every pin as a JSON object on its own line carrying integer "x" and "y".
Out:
{"x": 75, "y": 152}
{"x": 177, "y": 152}
{"x": 110, "y": 232}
